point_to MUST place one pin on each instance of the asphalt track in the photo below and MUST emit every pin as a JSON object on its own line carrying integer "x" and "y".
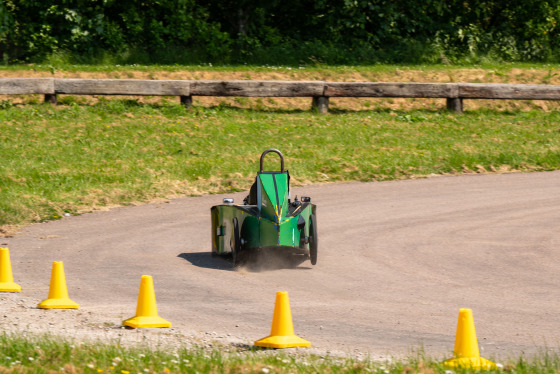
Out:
{"x": 397, "y": 260}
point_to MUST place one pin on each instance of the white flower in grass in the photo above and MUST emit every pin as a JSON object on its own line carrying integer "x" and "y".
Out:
{"x": 265, "y": 370}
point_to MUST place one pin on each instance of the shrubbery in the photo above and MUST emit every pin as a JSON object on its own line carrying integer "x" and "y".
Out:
{"x": 279, "y": 32}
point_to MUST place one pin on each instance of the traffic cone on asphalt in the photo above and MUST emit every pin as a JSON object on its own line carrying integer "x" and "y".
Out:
{"x": 466, "y": 346}
{"x": 6, "y": 277}
{"x": 146, "y": 309}
{"x": 58, "y": 293}
{"x": 282, "y": 331}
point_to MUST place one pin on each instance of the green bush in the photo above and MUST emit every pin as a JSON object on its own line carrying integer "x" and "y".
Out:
{"x": 280, "y": 32}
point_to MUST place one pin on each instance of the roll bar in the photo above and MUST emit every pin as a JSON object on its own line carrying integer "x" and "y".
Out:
{"x": 275, "y": 151}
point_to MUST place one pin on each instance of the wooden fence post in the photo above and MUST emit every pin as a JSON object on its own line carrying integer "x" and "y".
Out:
{"x": 186, "y": 101}
{"x": 321, "y": 104}
{"x": 50, "y": 98}
{"x": 455, "y": 104}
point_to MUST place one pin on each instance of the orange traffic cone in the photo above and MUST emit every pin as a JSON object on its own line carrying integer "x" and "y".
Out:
{"x": 6, "y": 277}
{"x": 146, "y": 309}
{"x": 58, "y": 293}
{"x": 466, "y": 346}
{"x": 282, "y": 331}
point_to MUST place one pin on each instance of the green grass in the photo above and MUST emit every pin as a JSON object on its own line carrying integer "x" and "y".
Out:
{"x": 44, "y": 354}
{"x": 62, "y": 65}
{"x": 77, "y": 157}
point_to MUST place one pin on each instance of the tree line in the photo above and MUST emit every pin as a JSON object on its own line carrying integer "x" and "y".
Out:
{"x": 280, "y": 32}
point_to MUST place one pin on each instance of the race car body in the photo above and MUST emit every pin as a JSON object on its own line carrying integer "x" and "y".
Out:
{"x": 268, "y": 219}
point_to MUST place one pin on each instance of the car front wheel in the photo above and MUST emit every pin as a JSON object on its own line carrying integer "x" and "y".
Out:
{"x": 313, "y": 240}
{"x": 236, "y": 244}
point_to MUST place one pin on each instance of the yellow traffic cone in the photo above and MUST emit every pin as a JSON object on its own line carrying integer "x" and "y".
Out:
{"x": 146, "y": 309}
{"x": 282, "y": 331}
{"x": 466, "y": 346}
{"x": 6, "y": 277}
{"x": 58, "y": 293}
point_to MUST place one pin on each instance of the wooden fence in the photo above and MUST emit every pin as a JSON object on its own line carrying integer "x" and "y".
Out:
{"x": 320, "y": 91}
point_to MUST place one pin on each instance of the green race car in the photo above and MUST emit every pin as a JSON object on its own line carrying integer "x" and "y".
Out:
{"x": 268, "y": 220}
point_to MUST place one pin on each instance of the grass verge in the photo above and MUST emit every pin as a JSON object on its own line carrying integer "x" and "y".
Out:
{"x": 78, "y": 157}
{"x": 43, "y": 354}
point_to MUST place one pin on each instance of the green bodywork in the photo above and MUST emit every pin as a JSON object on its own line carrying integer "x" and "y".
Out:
{"x": 269, "y": 219}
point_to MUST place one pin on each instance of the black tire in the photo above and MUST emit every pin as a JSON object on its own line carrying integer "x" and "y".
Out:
{"x": 215, "y": 224}
{"x": 313, "y": 240}
{"x": 236, "y": 245}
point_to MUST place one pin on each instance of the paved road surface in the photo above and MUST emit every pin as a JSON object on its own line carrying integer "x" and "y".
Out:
{"x": 397, "y": 260}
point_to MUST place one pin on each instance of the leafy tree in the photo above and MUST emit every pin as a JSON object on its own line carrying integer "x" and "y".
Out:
{"x": 282, "y": 31}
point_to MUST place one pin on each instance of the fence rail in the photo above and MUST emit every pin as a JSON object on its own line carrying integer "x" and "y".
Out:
{"x": 320, "y": 91}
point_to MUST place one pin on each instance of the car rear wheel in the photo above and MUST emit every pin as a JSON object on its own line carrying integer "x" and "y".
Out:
{"x": 313, "y": 242}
